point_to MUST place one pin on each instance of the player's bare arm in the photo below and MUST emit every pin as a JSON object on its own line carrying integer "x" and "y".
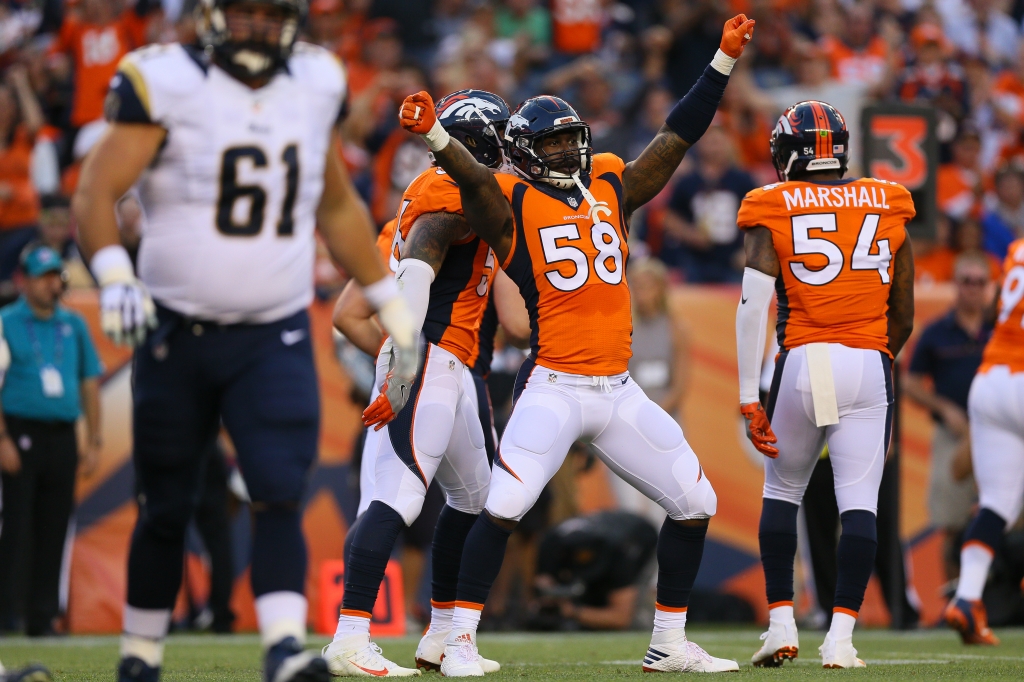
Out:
{"x": 345, "y": 224}
{"x": 354, "y": 317}
{"x": 485, "y": 207}
{"x": 901, "y": 298}
{"x": 760, "y": 251}
{"x": 127, "y": 310}
{"x": 109, "y": 171}
{"x": 644, "y": 177}
{"x": 512, "y": 314}
{"x": 431, "y": 235}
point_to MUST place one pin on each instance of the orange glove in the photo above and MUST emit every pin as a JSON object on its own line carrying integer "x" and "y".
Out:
{"x": 737, "y": 33}
{"x": 417, "y": 113}
{"x": 760, "y": 430}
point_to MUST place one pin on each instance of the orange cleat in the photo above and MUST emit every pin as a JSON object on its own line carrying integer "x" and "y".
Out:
{"x": 971, "y": 621}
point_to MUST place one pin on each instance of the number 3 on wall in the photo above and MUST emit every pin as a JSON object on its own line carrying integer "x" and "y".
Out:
{"x": 863, "y": 258}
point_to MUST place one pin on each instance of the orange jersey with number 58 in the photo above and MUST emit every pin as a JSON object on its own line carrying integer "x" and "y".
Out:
{"x": 835, "y": 241}
{"x": 458, "y": 294}
{"x": 1006, "y": 347}
{"x": 570, "y": 270}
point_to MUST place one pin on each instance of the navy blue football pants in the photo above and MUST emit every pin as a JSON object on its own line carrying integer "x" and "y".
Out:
{"x": 261, "y": 382}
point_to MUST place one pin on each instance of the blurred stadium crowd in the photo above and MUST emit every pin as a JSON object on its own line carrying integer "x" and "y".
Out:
{"x": 622, "y": 63}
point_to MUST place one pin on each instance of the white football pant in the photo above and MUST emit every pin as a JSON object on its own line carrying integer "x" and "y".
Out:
{"x": 857, "y": 444}
{"x": 637, "y": 439}
{"x": 995, "y": 407}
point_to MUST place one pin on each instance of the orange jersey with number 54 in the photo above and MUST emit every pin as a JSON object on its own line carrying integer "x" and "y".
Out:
{"x": 836, "y": 241}
{"x": 1006, "y": 347}
{"x": 570, "y": 270}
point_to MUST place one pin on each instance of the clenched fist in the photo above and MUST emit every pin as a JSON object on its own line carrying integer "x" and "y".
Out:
{"x": 737, "y": 33}
{"x": 417, "y": 113}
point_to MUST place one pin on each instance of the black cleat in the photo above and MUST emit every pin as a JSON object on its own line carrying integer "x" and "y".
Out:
{"x": 33, "y": 673}
{"x": 287, "y": 661}
{"x": 134, "y": 669}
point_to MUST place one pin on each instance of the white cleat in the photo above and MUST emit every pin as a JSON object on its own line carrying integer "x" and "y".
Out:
{"x": 461, "y": 658}
{"x": 780, "y": 644}
{"x": 839, "y": 654}
{"x": 357, "y": 656}
{"x": 671, "y": 652}
{"x": 430, "y": 653}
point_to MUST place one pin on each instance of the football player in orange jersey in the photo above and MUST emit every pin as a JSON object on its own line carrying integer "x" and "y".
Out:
{"x": 446, "y": 273}
{"x": 558, "y": 227}
{"x": 836, "y": 253}
{"x": 995, "y": 408}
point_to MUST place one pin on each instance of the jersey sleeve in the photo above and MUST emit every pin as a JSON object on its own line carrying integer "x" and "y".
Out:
{"x": 128, "y": 98}
{"x": 607, "y": 163}
{"x": 507, "y": 183}
{"x": 326, "y": 75}
{"x": 754, "y": 210}
{"x": 150, "y": 83}
{"x": 902, "y": 203}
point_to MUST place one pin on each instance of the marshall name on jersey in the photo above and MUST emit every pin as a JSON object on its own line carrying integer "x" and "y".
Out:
{"x": 230, "y": 200}
{"x": 836, "y": 241}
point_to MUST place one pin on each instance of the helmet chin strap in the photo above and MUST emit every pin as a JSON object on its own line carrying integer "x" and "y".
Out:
{"x": 596, "y": 207}
{"x": 793, "y": 156}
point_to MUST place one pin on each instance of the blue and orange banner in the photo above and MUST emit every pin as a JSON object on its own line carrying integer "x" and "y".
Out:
{"x": 106, "y": 507}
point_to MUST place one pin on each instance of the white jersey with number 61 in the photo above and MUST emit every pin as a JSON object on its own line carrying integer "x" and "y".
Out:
{"x": 231, "y": 197}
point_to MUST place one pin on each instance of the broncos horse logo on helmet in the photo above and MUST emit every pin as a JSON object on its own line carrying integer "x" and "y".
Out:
{"x": 248, "y": 56}
{"x": 536, "y": 119}
{"x": 810, "y": 136}
{"x": 476, "y": 118}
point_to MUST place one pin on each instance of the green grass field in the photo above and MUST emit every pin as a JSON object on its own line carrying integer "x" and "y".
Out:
{"x": 923, "y": 655}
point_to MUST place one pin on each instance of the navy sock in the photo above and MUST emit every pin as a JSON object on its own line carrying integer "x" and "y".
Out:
{"x": 368, "y": 558}
{"x": 987, "y": 528}
{"x": 346, "y": 550}
{"x": 680, "y": 549}
{"x": 482, "y": 556}
{"x": 446, "y": 553}
{"x": 155, "y": 565}
{"x": 278, "y": 551}
{"x": 777, "y": 537}
{"x": 856, "y": 558}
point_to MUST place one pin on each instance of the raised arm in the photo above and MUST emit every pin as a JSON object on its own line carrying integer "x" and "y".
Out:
{"x": 901, "y": 298}
{"x": 651, "y": 171}
{"x": 484, "y": 205}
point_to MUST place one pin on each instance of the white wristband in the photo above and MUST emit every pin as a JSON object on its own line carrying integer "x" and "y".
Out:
{"x": 380, "y": 292}
{"x": 723, "y": 63}
{"x": 112, "y": 264}
{"x": 438, "y": 138}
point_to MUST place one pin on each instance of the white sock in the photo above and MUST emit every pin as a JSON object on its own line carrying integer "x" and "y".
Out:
{"x": 144, "y": 631}
{"x": 975, "y": 559}
{"x": 668, "y": 620}
{"x": 440, "y": 617}
{"x": 842, "y": 625}
{"x": 2, "y": 669}
{"x": 781, "y": 615}
{"x": 281, "y": 615}
{"x": 151, "y": 651}
{"x": 352, "y": 623}
{"x": 465, "y": 618}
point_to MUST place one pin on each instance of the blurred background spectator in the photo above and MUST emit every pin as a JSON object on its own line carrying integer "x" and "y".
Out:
{"x": 946, "y": 357}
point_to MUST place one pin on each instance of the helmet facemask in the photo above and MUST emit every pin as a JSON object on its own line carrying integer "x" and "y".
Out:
{"x": 250, "y": 44}
{"x": 556, "y": 168}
